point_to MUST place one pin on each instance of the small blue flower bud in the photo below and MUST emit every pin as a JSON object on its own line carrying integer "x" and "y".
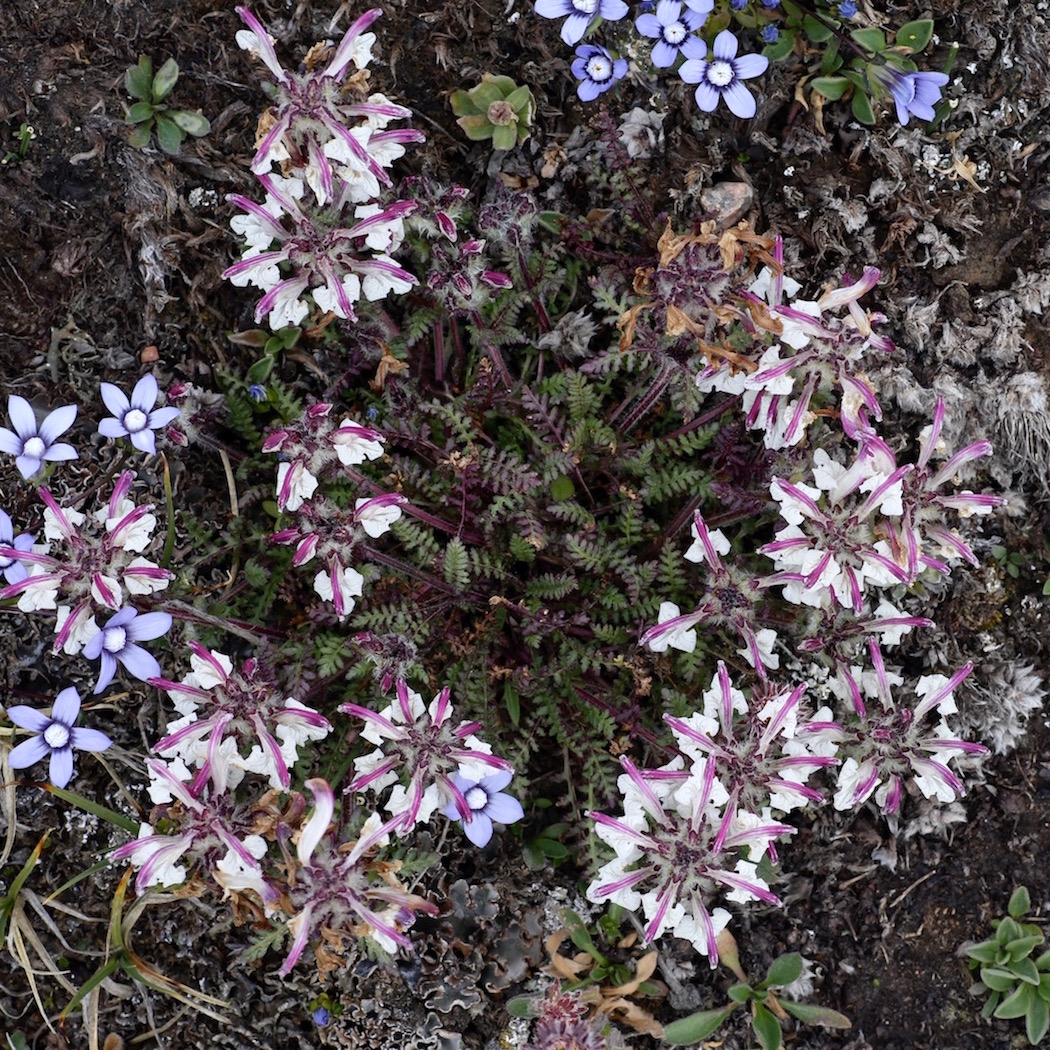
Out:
{"x": 372, "y": 414}
{"x": 847, "y": 9}
{"x": 257, "y": 392}
{"x": 770, "y": 34}
{"x": 770, "y": 3}
{"x": 321, "y": 1017}
{"x": 738, "y": 5}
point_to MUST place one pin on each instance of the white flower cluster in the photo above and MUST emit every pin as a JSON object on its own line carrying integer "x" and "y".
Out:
{"x": 325, "y": 531}
{"x": 419, "y": 740}
{"x": 321, "y": 232}
{"x": 100, "y": 566}
{"x": 235, "y": 722}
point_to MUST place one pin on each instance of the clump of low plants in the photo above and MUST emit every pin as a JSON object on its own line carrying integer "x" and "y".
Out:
{"x": 495, "y": 109}
{"x": 150, "y": 113}
{"x": 1016, "y": 985}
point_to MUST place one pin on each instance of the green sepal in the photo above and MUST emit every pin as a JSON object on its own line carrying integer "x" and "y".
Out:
{"x": 811, "y": 1014}
{"x": 766, "y": 1027}
{"x": 505, "y": 84}
{"x": 916, "y": 35}
{"x": 504, "y": 136}
{"x": 165, "y": 79}
{"x": 696, "y": 1026}
{"x": 192, "y": 123}
{"x": 485, "y": 94}
{"x": 1016, "y": 1004}
{"x": 462, "y": 104}
{"x": 861, "y": 106}
{"x": 140, "y": 112}
{"x": 522, "y": 99}
{"x": 169, "y": 135}
{"x": 783, "y": 970}
{"x": 870, "y": 39}
{"x": 138, "y": 80}
{"x": 832, "y": 88}
{"x": 477, "y": 127}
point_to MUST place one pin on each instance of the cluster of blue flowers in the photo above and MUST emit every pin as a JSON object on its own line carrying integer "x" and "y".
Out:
{"x": 717, "y": 71}
{"x": 718, "y": 74}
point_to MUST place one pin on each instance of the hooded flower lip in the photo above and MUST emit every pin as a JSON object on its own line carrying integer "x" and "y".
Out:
{"x": 55, "y": 737}
{"x": 32, "y": 443}
{"x": 720, "y": 76}
{"x": 135, "y": 417}
{"x": 487, "y": 802}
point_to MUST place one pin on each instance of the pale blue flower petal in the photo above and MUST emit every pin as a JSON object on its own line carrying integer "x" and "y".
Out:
{"x": 23, "y": 418}
{"x": 90, "y": 740}
{"x": 504, "y": 808}
{"x": 144, "y": 396}
{"x": 28, "y": 753}
{"x": 66, "y": 708}
{"x": 479, "y": 829}
{"x": 61, "y": 769}
{"x": 57, "y": 423}
{"x": 28, "y": 718}
{"x": 115, "y": 399}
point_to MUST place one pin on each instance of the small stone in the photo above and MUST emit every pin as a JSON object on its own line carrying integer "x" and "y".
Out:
{"x": 149, "y": 355}
{"x": 727, "y": 202}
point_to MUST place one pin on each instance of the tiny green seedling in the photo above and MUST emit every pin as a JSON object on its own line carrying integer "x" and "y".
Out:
{"x": 25, "y": 134}
{"x": 1016, "y": 984}
{"x": 149, "y": 111}
{"x": 495, "y": 109}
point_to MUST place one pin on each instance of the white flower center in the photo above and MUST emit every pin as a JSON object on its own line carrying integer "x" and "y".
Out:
{"x": 56, "y": 736}
{"x": 585, "y": 7}
{"x": 675, "y": 33}
{"x": 476, "y": 798}
{"x": 599, "y": 68}
{"x": 114, "y": 639}
{"x": 34, "y": 448}
{"x": 134, "y": 420}
{"x": 720, "y": 73}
